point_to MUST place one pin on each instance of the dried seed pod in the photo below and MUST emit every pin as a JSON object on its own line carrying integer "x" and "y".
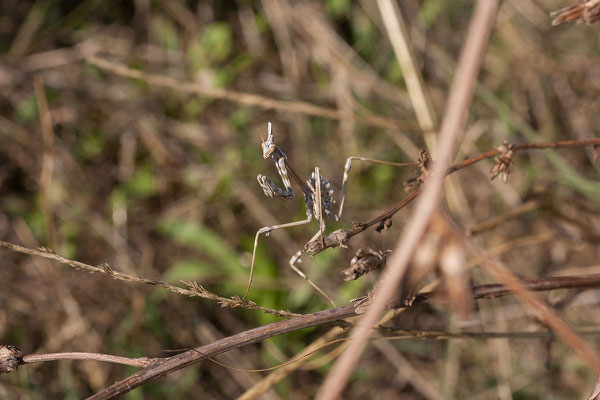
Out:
{"x": 412, "y": 184}
{"x": 502, "y": 164}
{"x": 425, "y": 163}
{"x": 383, "y": 225}
{"x": 365, "y": 260}
{"x": 10, "y": 358}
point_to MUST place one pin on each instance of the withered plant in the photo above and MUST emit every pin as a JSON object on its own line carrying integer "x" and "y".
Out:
{"x": 131, "y": 138}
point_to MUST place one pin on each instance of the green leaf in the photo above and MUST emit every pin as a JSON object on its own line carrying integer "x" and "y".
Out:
{"x": 240, "y": 118}
{"x": 91, "y": 144}
{"x": 203, "y": 238}
{"x": 338, "y": 7}
{"x": 142, "y": 183}
{"x": 190, "y": 270}
{"x": 166, "y": 31}
{"x": 196, "y": 55}
{"x": 429, "y": 11}
{"x": 26, "y": 110}
{"x": 217, "y": 41}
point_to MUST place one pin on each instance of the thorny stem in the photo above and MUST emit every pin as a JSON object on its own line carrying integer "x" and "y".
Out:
{"x": 339, "y": 238}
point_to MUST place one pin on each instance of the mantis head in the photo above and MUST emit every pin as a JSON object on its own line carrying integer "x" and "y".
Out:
{"x": 268, "y": 146}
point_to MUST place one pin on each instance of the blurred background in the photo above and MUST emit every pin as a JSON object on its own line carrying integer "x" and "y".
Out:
{"x": 146, "y": 155}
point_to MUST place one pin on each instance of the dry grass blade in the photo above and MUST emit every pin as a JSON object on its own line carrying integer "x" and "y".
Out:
{"x": 247, "y": 98}
{"x": 47, "y": 159}
{"x": 195, "y": 290}
{"x": 397, "y": 32}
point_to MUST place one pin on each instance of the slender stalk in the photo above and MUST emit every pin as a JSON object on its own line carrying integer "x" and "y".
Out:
{"x": 134, "y": 362}
{"x": 164, "y": 366}
{"x": 339, "y": 238}
{"x": 194, "y": 289}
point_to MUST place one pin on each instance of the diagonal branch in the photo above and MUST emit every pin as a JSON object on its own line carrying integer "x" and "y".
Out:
{"x": 341, "y": 236}
{"x": 164, "y": 366}
{"x": 248, "y": 98}
{"x": 194, "y": 289}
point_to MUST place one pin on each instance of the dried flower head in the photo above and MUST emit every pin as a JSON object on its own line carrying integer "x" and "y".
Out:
{"x": 10, "y": 358}
{"x": 365, "y": 260}
{"x": 502, "y": 164}
{"x": 383, "y": 225}
{"x": 425, "y": 164}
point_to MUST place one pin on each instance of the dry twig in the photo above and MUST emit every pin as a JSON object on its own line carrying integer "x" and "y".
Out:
{"x": 163, "y": 366}
{"x": 247, "y": 98}
{"x": 194, "y": 289}
{"x": 340, "y": 237}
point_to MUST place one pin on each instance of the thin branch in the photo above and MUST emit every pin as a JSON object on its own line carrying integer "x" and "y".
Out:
{"x": 526, "y": 146}
{"x": 399, "y": 334}
{"x": 134, "y": 362}
{"x": 595, "y": 395}
{"x": 341, "y": 236}
{"x": 248, "y": 98}
{"x": 168, "y": 365}
{"x": 194, "y": 289}
{"x": 492, "y": 291}
{"x": 164, "y": 366}
{"x": 543, "y": 312}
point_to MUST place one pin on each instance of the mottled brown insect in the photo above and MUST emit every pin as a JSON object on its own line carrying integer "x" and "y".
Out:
{"x": 318, "y": 197}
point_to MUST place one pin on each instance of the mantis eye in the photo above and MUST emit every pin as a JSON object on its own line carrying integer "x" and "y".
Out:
{"x": 267, "y": 149}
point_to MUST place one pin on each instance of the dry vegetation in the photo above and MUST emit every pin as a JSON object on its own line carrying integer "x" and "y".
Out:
{"x": 130, "y": 142}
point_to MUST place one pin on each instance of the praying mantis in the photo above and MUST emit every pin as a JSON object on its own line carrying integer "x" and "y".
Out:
{"x": 318, "y": 197}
